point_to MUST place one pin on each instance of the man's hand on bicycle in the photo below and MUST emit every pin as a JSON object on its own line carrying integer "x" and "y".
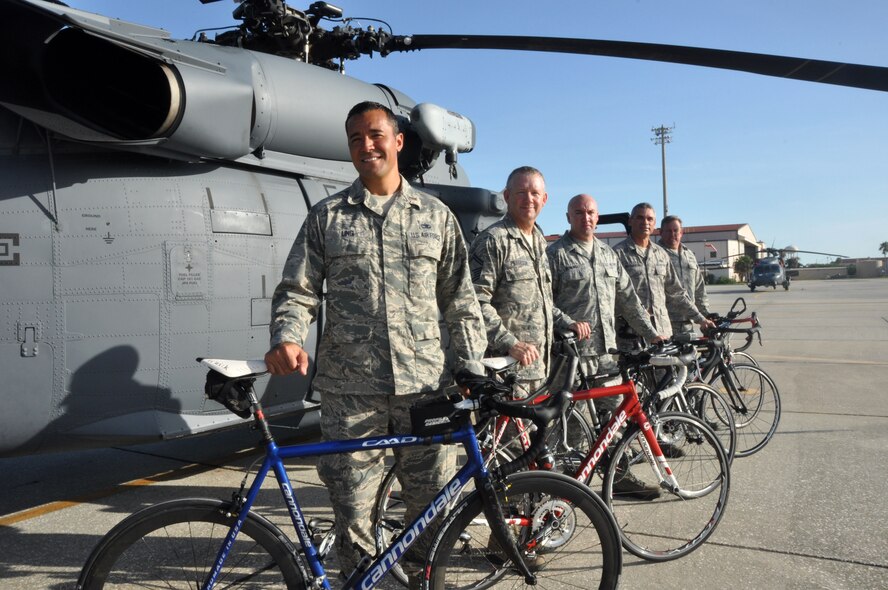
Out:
{"x": 582, "y": 329}
{"x": 524, "y": 352}
{"x": 286, "y": 358}
{"x": 706, "y": 324}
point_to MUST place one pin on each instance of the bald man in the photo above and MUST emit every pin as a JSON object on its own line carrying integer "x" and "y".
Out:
{"x": 589, "y": 284}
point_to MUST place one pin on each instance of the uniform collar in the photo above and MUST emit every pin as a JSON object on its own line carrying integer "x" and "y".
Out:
{"x": 575, "y": 244}
{"x": 638, "y": 249}
{"x": 515, "y": 231}
{"x": 681, "y": 247}
{"x": 357, "y": 193}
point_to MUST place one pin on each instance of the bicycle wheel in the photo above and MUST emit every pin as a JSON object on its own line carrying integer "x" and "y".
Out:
{"x": 706, "y": 403}
{"x": 743, "y": 358}
{"x": 755, "y": 402}
{"x": 566, "y": 534}
{"x": 174, "y": 545}
{"x": 389, "y": 510}
{"x": 677, "y": 521}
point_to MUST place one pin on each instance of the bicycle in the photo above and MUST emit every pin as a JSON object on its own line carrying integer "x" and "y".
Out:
{"x": 750, "y": 391}
{"x": 695, "y": 479}
{"x": 202, "y": 543}
{"x": 389, "y": 507}
{"x": 738, "y": 354}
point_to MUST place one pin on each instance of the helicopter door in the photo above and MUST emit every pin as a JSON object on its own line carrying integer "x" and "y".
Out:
{"x": 27, "y": 368}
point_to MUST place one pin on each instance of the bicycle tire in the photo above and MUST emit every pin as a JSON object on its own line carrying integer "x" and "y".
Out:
{"x": 743, "y": 358}
{"x": 708, "y": 404}
{"x": 174, "y": 545}
{"x": 389, "y": 511}
{"x": 580, "y": 546}
{"x": 755, "y": 401}
{"x": 679, "y": 521}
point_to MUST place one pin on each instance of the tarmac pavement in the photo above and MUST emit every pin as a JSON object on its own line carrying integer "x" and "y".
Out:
{"x": 808, "y": 511}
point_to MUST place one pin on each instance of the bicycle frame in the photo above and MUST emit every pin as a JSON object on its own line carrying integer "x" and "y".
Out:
{"x": 630, "y": 409}
{"x": 473, "y": 469}
{"x": 715, "y": 365}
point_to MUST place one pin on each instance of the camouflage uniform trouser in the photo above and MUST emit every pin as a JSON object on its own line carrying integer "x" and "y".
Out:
{"x": 353, "y": 479}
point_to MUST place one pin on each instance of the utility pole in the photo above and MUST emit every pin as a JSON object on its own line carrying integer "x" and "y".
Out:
{"x": 662, "y": 136}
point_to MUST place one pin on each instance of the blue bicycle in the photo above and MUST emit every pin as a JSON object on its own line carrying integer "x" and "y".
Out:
{"x": 536, "y": 528}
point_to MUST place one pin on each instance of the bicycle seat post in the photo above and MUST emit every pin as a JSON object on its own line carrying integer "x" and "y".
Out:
{"x": 259, "y": 419}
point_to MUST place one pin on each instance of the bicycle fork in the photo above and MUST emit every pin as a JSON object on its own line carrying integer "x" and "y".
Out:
{"x": 654, "y": 455}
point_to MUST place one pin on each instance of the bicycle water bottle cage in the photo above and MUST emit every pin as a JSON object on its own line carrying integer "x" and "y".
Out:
{"x": 233, "y": 394}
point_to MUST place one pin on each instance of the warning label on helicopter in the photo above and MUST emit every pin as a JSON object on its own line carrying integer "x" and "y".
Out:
{"x": 188, "y": 272}
{"x": 9, "y": 250}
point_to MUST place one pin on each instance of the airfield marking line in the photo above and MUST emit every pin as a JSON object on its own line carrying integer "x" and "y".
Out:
{"x": 185, "y": 470}
{"x": 51, "y": 507}
{"x": 811, "y": 359}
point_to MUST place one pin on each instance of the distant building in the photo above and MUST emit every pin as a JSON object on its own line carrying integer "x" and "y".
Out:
{"x": 715, "y": 246}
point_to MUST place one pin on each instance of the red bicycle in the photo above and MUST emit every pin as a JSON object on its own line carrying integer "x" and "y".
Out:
{"x": 674, "y": 457}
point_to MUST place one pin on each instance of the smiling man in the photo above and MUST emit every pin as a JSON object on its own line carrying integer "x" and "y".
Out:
{"x": 392, "y": 258}
{"x": 514, "y": 283}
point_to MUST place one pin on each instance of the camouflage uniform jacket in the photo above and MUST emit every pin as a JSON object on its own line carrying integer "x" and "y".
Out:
{"x": 387, "y": 278}
{"x": 514, "y": 288}
{"x": 685, "y": 264}
{"x": 595, "y": 290}
{"x": 655, "y": 282}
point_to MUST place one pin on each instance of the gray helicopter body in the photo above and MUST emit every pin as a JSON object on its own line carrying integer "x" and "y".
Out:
{"x": 150, "y": 190}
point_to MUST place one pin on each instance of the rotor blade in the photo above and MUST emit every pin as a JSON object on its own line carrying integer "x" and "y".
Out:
{"x": 810, "y": 252}
{"x": 795, "y": 68}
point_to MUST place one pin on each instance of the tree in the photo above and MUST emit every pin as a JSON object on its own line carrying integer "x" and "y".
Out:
{"x": 883, "y": 247}
{"x": 742, "y": 266}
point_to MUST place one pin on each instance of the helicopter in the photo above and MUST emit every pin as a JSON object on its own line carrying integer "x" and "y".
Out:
{"x": 776, "y": 268}
{"x": 772, "y": 270}
{"x": 145, "y": 216}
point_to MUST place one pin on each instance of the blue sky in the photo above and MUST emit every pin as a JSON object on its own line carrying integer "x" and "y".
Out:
{"x": 802, "y": 163}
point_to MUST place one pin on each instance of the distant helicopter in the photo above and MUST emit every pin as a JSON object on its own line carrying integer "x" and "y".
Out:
{"x": 150, "y": 189}
{"x": 771, "y": 270}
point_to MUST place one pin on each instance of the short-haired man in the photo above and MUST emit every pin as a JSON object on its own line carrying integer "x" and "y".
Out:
{"x": 656, "y": 282}
{"x": 590, "y": 284}
{"x": 513, "y": 281}
{"x": 392, "y": 258}
{"x": 685, "y": 264}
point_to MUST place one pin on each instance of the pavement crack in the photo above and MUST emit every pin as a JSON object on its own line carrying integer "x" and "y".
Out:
{"x": 801, "y": 554}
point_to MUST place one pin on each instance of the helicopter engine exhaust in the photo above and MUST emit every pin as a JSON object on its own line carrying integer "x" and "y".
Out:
{"x": 122, "y": 85}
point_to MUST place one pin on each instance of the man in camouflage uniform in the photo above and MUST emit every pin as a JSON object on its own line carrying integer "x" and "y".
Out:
{"x": 685, "y": 264}
{"x": 590, "y": 284}
{"x": 653, "y": 277}
{"x": 392, "y": 258}
{"x": 514, "y": 283}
